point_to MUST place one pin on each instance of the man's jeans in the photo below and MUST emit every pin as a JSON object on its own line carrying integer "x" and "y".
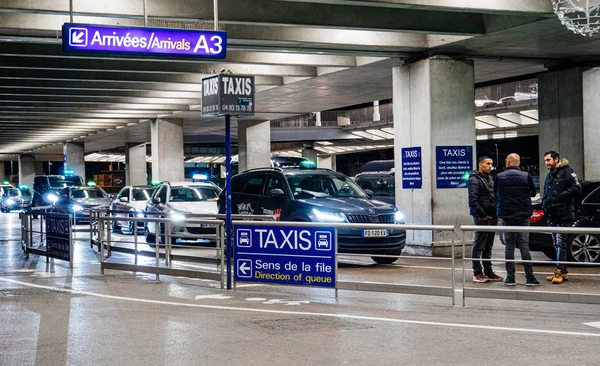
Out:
{"x": 560, "y": 244}
{"x": 482, "y": 247}
{"x": 517, "y": 240}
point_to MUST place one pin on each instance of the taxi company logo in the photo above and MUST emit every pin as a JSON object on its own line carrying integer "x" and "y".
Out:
{"x": 78, "y": 37}
{"x": 371, "y": 211}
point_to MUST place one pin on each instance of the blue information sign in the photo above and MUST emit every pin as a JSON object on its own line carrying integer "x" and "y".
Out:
{"x": 285, "y": 255}
{"x": 58, "y": 236}
{"x": 453, "y": 164}
{"x": 141, "y": 40}
{"x": 412, "y": 177}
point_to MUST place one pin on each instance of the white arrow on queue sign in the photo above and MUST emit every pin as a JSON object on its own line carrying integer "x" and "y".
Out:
{"x": 77, "y": 37}
{"x": 244, "y": 267}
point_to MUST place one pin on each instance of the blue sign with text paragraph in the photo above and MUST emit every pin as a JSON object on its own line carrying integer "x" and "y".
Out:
{"x": 58, "y": 236}
{"x": 285, "y": 255}
{"x": 412, "y": 177}
{"x": 453, "y": 164}
{"x": 147, "y": 41}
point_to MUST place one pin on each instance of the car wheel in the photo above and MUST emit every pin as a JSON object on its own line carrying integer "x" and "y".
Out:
{"x": 384, "y": 260}
{"x": 2, "y": 209}
{"x": 130, "y": 227}
{"x": 584, "y": 248}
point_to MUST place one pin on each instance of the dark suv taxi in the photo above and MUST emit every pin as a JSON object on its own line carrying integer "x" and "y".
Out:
{"x": 319, "y": 195}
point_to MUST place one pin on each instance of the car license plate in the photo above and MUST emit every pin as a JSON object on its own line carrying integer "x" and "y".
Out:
{"x": 208, "y": 225}
{"x": 375, "y": 233}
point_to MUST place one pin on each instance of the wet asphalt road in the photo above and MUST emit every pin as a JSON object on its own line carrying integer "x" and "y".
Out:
{"x": 52, "y": 315}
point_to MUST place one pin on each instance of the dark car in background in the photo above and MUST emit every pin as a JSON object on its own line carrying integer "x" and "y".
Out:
{"x": 581, "y": 247}
{"x": 15, "y": 199}
{"x": 79, "y": 200}
{"x": 377, "y": 178}
{"x": 47, "y": 188}
{"x": 319, "y": 195}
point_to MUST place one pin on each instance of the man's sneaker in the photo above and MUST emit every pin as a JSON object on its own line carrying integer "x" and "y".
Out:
{"x": 493, "y": 277}
{"x": 532, "y": 282}
{"x": 558, "y": 277}
{"x": 509, "y": 281}
{"x": 480, "y": 278}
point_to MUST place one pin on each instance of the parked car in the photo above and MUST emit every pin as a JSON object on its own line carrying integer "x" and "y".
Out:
{"x": 15, "y": 199}
{"x": 47, "y": 188}
{"x": 377, "y": 178}
{"x": 581, "y": 247}
{"x": 177, "y": 201}
{"x": 319, "y": 195}
{"x": 134, "y": 200}
{"x": 4, "y": 186}
{"x": 79, "y": 200}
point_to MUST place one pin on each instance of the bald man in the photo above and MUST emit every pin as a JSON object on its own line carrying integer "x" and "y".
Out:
{"x": 514, "y": 189}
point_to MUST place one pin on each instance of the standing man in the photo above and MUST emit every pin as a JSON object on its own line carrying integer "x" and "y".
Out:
{"x": 482, "y": 206}
{"x": 514, "y": 189}
{"x": 560, "y": 188}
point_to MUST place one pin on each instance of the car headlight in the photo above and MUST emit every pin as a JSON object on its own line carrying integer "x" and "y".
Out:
{"x": 399, "y": 217}
{"x": 10, "y": 201}
{"x": 76, "y": 208}
{"x": 52, "y": 198}
{"x": 177, "y": 216}
{"x": 329, "y": 216}
{"x": 140, "y": 214}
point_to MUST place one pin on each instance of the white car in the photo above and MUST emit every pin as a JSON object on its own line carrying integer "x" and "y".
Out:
{"x": 178, "y": 201}
{"x": 132, "y": 199}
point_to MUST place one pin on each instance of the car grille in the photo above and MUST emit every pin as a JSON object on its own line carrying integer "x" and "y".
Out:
{"x": 380, "y": 219}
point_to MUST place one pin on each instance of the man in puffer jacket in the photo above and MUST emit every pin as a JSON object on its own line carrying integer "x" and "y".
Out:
{"x": 560, "y": 188}
{"x": 482, "y": 206}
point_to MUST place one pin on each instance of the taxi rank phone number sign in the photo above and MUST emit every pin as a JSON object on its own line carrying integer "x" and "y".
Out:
{"x": 227, "y": 94}
{"x": 285, "y": 255}
{"x": 58, "y": 236}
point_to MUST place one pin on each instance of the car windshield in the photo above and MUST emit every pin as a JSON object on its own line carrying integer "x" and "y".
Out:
{"x": 25, "y": 191}
{"x": 193, "y": 194}
{"x": 380, "y": 185}
{"x": 87, "y": 193}
{"x": 142, "y": 194}
{"x": 311, "y": 185}
{"x": 62, "y": 182}
{"x": 13, "y": 193}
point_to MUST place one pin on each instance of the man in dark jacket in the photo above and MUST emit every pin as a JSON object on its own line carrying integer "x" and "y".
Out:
{"x": 514, "y": 189}
{"x": 560, "y": 188}
{"x": 482, "y": 206}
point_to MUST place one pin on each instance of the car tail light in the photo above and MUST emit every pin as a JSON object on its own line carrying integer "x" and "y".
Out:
{"x": 536, "y": 216}
{"x": 218, "y": 206}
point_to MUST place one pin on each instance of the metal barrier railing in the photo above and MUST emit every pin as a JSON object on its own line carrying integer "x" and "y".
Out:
{"x": 526, "y": 295}
{"x": 35, "y": 241}
{"x": 378, "y": 286}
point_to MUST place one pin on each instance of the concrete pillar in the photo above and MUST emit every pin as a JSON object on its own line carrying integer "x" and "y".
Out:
{"x": 2, "y": 173}
{"x": 310, "y": 153}
{"x": 591, "y": 124}
{"x": 39, "y": 168}
{"x": 376, "y": 115}
{"x": 327, "y": 162}
{"x": 254, "y": 144}
{"x": 433, "y": 106}
{"x": 560, "y": 103}
{"x": 26, "y": 170}
{"x": 167, "y": 150}
{"x": 318, "y": 119}
{"x": 74, "y": 157}
{"x": 135, "y": 164}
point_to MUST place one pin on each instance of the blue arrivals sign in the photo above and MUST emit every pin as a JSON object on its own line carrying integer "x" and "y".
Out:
{"x": 141, "y": 40}
{"x": 412, "y": 177}
{"x": 285, "y": 255}
{"x": 58, "y": 236}
{"x": 453, "y": 164}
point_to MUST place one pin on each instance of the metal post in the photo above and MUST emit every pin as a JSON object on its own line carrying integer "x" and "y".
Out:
{"x": 70, "y": 245}
{"x": 156, "y": 243}
{"x": 168, "y": 244}
{"x": 92, "y": 213}
{"x": 109, "y": 237}
{"x": 101, "y": 244}
{"x": 335, "y": 235}
{"x": 70, "y": 19}
{"x": 222, "y": 253}
{"x": 30, "y": 227}
{"x": 145, "y": 15}
{"x": 453, "y": 263}
{"x": 216, "y": 11}
{"x": 464, "y": 282}
{"x": 135, "y": 242}
{"x": 228, "y": 235}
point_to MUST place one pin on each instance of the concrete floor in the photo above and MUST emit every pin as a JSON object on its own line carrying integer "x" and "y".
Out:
{"x": 51, "y": 315}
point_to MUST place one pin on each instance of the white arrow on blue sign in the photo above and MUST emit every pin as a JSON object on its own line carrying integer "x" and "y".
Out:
{"x": 78, "y": 37}
{"x": 244, "y": 268}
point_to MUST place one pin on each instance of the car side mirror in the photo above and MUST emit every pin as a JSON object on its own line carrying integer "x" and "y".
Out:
{"x": 276, "y": 193}
{"x": 124, "y": 199}
{"x": 156, "y": 201}
{"x": 369, "y": 193}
